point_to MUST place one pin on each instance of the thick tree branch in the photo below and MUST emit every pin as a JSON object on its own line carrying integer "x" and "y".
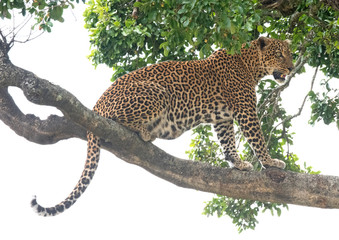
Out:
{"x": 333, "y": 3}
{"x": 271, "y": 185}
{"x": 48, "y": 131}
{"x": 289, "y": 7}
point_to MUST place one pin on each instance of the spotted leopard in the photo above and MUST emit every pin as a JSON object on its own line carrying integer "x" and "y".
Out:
{"x": 166, "y": 99}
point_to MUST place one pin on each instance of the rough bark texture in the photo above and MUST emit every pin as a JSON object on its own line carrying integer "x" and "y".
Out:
{"x": 288, "y": 7}
{"x": 271, "y": 185}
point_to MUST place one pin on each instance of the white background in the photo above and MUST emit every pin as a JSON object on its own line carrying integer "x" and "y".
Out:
{"x": 124, "y": 201}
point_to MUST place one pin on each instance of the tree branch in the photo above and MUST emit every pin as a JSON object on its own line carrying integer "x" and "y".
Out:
{"x": 333, "y": 3}
{"x": 288, "y": 7}
{"x": 271, "y": 185}
{"x": 299, "y": 110}
{"x": 135, "y": 13}
{"x": 301, "y": 61}
{"x": 48, "y": 131}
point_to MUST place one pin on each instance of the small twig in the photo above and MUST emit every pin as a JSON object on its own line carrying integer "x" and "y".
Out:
{"x": 300, "y": 109}
{"x": 10, "y": 34}
{"x": 298, "y": 65}
{"x": 4, "y": 44}
{"x": 135, "y": 13}
{"x": 29, "y": 38}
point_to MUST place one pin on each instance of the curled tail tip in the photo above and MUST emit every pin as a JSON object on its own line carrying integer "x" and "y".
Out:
{"x": 36, "y": 207}
{"x": 41, "y": 211}
{"x": 33, "y": 202}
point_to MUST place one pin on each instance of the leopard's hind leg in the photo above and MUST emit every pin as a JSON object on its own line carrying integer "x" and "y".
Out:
{"x": 145, "y": 109}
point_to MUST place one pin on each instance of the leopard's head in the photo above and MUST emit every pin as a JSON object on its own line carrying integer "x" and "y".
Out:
{"x": 276, "y": 57}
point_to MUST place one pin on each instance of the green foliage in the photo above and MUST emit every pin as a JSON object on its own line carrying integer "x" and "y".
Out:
{"x": 6, "y": 6}
{"x": 205, "y": 149}
{"x": 325, "y": 106}
{"x": 243, "y": 212}
{"x": 166, "y": 30}
{"x": 44, "y": 11}
{"x": 321, "y": 25}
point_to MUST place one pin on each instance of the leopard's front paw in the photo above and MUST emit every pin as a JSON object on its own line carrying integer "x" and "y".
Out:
{"x": 274, "y": 163}
{"x": 243, "y": 166}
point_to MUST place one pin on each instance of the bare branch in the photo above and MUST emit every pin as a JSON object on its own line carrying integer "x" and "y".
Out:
{"x": 300, "y": 109}
{"x": 135, "y": 13}
{"x": 333, "y": 3}
{"x": 301, "y": 61}
{"x": 288, "y": 7}
{"x": 21, "y": 32}
{"x": 31, "y": 36}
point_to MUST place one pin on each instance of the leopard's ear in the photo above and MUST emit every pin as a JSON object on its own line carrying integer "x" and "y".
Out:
{"x": 263, "y": 42}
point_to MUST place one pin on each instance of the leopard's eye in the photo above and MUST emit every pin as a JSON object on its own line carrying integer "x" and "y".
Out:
{"x": 279, "y": 54}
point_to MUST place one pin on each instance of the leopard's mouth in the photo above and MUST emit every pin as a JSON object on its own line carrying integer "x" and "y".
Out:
{"x": 279, "y": 77}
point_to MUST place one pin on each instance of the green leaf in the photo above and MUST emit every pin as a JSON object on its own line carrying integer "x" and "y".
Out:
{"x": 42, "y": 4}
{"x": 233, "y": 29}
{"x": 138, "y": 4}
{"x": 260, "y": 28}
{"x": 129, "y": 23}
{"x": 117, "y": 23}
{"x": 56, "y": 13}
{"x": 186, "y": 22}
{"x": 182, "y": 10}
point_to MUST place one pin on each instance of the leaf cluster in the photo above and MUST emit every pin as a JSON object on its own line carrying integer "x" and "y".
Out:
{"x": 325, "y": 105}
{"x": 166, "y": 30}
{"x": 204, "y": 148}
{"x": 44, "y": 11}
{"x": 242, "y": 212}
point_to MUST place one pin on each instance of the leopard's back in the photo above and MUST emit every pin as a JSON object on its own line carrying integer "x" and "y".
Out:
{"x": 164, "y": 100}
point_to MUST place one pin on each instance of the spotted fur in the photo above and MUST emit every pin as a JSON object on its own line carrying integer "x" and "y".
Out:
{"x": 166, "y": 99}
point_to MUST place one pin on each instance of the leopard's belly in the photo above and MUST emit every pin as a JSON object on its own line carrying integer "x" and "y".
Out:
{"x": 172, "y": 124}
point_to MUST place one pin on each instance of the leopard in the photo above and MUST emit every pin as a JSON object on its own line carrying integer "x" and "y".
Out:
{"x": 166, "y": 99}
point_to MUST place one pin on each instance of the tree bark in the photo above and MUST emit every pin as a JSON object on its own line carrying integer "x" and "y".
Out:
{"x": 271, "y": 185}
{"x": 288, "y": 7}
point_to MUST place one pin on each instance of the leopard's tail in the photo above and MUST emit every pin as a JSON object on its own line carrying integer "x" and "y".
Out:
{"x": 93, "y": 154}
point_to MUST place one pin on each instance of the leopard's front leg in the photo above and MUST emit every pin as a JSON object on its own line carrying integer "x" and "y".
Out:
{"x": 250, "y": 126}
{"x": 225, "y": 133}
